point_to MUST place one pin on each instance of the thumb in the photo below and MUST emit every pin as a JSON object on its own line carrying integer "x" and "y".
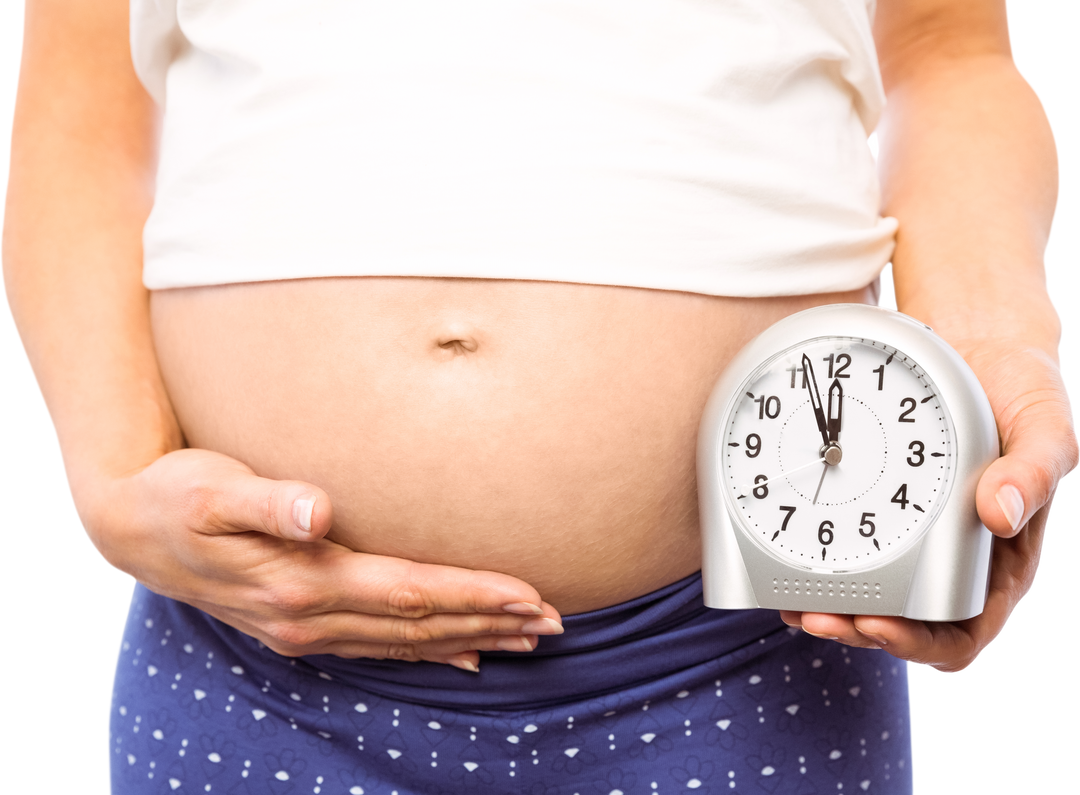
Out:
{"x": 289, "y": 509}
{"x": 221, "y": 495}
{"x": 1038, "y": 447}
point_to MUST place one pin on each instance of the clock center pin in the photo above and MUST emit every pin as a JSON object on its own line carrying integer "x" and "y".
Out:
{"x": 832, "y": 454}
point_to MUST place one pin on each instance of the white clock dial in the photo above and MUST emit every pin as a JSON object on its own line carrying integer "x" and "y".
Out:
{"x": 837, "y": 454}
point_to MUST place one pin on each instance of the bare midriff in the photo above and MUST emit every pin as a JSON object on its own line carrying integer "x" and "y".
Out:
{"x": 542, "y": 429}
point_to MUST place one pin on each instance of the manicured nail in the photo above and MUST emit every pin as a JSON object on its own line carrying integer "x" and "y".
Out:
{"x": 880, "y": 641}
{"x": 823, "y": 637}
{"x": 542, "y": 626}
{"x": 1012, "y": 505}
{"x": 301, "y": 512}
{"x": 516, "y": 643}
{"x": 524, "y": 609}
{"x": 465, "y": 665}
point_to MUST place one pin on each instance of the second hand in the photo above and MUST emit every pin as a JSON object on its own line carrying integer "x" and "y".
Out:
{"x": 816, "y": 493}
{"x": 745, "y": 489}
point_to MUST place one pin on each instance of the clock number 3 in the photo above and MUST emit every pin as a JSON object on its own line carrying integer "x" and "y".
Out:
{"x": 916, "y": 458}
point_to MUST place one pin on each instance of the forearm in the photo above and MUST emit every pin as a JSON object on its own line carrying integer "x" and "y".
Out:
{"x": 969, "y": 169}
{"x": 83, "y": 158}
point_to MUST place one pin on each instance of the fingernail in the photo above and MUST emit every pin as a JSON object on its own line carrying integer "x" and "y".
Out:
{"x": 524, "y": 609}
{"x": 542, "y": 626}
{"x": 1012, "y": 505}
{"x": 301, "y": 512}
{"x": 880, "y": 641}
{"x": 517, "y": 643}
{"x": 465, "y": 665}
{"x": 823, "y": 637}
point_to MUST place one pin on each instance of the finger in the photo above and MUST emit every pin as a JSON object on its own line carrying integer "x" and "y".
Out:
{"x": 1038, "y": 445}
{"x": 379, "y": 585}
{"x": 828, "y": 626}
{"x": 317, "y": 631}
{"x": 240, "y": 501}
{"x": 287, "y": 509}
{"x": 945, "y": 646}
{"x": 447, "y": 651}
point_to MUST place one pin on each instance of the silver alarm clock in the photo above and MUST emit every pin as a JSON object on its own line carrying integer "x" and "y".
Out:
{"x": 838, "y": 458}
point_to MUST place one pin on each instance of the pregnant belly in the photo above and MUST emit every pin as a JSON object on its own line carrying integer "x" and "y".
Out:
{"x": 545, "y": 430}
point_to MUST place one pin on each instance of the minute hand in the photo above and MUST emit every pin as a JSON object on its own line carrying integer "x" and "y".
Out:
{"x": 836, "y": 411}
{"x": 815, "y": 398}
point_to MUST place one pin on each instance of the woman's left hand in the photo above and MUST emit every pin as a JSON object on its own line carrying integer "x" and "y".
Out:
{"x": 1038, "y": 448}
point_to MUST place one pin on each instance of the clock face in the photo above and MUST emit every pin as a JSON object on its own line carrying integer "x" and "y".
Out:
{"x": 837, "y": 454}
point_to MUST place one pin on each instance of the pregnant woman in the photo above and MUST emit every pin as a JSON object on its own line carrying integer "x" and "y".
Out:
{"x": 377, "y": 335}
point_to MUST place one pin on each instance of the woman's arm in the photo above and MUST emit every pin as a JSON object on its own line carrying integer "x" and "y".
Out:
{"x": 190, "y": 524}
{"x": 969, "y": 169}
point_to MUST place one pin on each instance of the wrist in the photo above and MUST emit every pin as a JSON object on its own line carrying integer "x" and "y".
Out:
{"x": 971, "y": 320}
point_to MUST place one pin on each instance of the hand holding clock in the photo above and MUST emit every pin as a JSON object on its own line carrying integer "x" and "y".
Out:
{"x": 974, "y": 221}
{"x": 1028, "y": 397}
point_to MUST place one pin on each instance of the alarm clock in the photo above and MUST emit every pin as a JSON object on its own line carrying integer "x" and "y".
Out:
{"x": 838, "y": 458}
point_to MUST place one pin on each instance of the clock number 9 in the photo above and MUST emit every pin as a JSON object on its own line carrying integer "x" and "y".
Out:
{"x": 753, "y": 445}
{"x": 761, "y": 492}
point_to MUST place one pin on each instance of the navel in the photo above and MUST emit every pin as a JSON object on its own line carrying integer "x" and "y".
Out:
{"x": 458, "y": 338}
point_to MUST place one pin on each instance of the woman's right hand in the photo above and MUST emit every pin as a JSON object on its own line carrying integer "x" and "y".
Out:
{"x": 193, "y": 525}
{"x": 202, "y": 528}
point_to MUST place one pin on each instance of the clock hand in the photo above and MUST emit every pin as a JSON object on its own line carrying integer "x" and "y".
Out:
{"x": 744, "y": 489}
{"x": 836, "y": 406}
{"x": 824, "y": 469}
{"x": 815, "y": 399}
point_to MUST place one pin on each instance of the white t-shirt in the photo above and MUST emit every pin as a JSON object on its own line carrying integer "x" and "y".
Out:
{"x": 710, "y": 146}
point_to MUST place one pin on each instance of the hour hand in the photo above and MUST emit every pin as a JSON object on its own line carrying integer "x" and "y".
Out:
{"x": 815, "y": 398}
{"x": 836, "y": 411}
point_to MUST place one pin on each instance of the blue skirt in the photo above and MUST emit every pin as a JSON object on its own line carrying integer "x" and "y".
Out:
{"x": 656, "y": 695}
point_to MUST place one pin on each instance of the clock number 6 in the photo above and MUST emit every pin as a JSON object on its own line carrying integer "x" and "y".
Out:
{"x": 825, "y": 535}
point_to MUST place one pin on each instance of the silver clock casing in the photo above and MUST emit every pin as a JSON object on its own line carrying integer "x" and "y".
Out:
{"x": 942, "y": 576}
